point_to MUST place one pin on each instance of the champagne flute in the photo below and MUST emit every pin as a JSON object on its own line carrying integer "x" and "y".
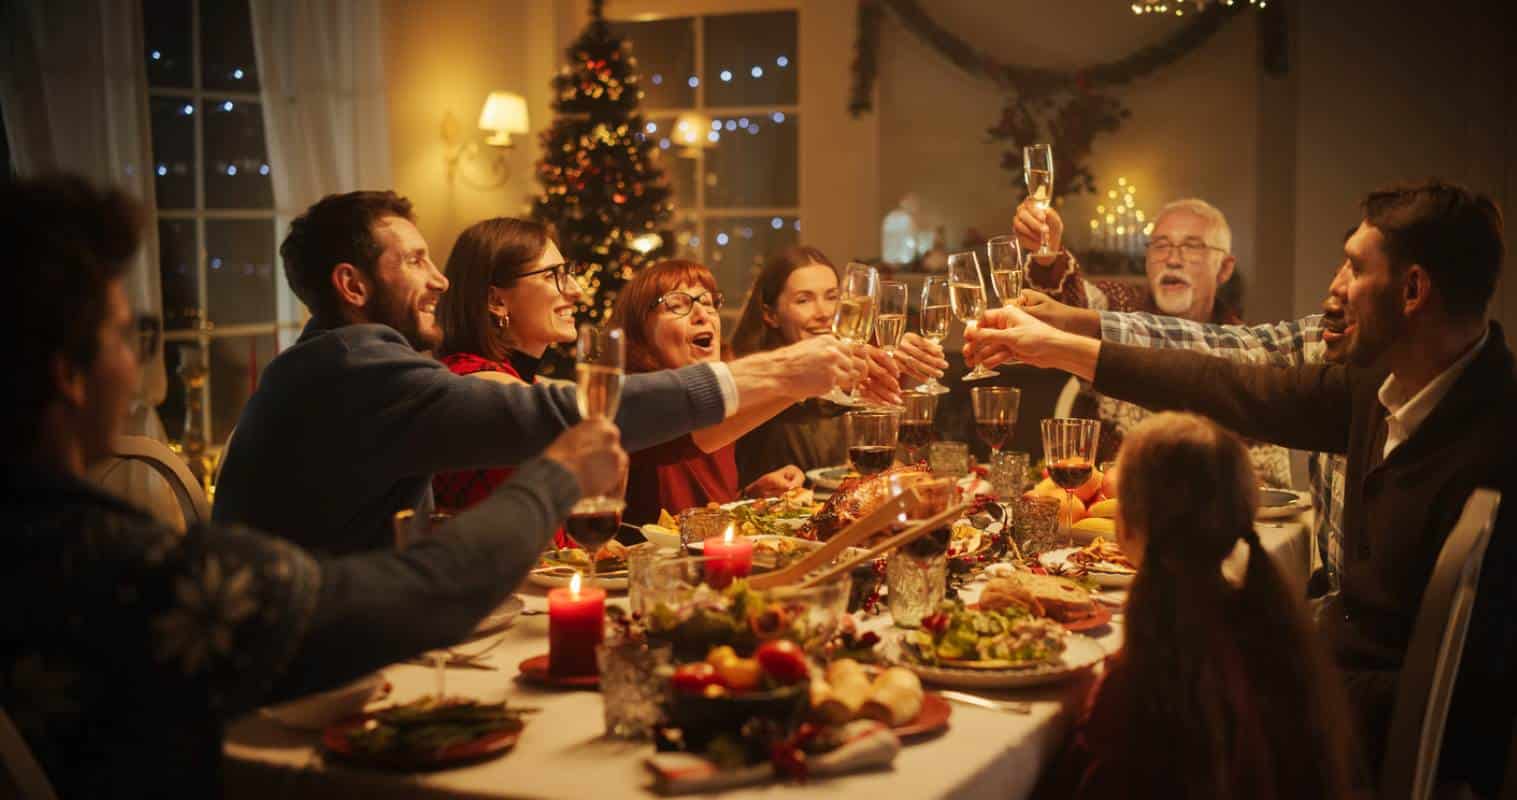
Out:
{"x": 1004, "y": 256}
{"x": 967, "y": 296}
{"x": 890, "y": 324}
{"x": 1069, "y": 447}
{"x": 936, "y": 311}
{"x": 854, "y": 322}
{"x": 600, "y": 371}
{"x": 918, "y": 409}
{"x": 1037, "y": 169}
{"x": 872, "y": 437}
{"x": 995, "y": 414}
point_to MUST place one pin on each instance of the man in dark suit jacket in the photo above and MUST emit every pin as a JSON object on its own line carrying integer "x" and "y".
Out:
{"x": 1420, "y": 431}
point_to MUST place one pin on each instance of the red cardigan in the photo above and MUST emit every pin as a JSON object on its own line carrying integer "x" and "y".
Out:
{"x": 455, "y": 491}
{"x": 677, "y": 475}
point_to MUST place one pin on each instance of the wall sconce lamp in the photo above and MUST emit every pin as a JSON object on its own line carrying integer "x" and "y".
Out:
{"x": 693, "y": 132}
{"x": 504, "y": 113}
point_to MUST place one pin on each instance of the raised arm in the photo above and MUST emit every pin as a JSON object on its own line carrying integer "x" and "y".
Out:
{"x": 1287, "y": 343}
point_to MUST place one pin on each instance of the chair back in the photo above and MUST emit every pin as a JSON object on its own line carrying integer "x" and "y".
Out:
{"x": 1426, "y": 683}
{"x": 174, "y": 471}
{"x": 1065, "y": 405}
{"x": 22, "y": 772}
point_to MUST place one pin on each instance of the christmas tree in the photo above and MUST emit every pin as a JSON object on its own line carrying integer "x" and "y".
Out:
{"x": 602, "y": 189}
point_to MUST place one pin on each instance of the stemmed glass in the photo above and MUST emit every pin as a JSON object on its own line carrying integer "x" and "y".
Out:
{"x": 967, "y": 296}
{"x": 995, "y": 414}
{"x": 1069, "y": 447}
{"x": 872, "y": 437}
{"x": 854, "y": 322}
{"x": 1004, "y": 257}
{"x": 1037, "y": 169}
{"x": 937, "y": 311}
{"x": 599, "y": 370}
{"x": 917, "y": 414}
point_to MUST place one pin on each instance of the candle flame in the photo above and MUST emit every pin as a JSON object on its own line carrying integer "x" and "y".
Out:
{"x": 574, "y": 585}
{"x": 727, "y": 536}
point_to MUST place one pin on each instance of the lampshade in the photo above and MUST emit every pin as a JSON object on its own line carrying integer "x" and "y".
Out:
{"x": 504, "y": 113}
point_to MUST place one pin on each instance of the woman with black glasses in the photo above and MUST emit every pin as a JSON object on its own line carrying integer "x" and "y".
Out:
{"x": 670, "y": 314}
{"x": 512, "y": 296}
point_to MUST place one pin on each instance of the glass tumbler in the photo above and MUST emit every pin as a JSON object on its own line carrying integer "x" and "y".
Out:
{"x": 634, "y": 685}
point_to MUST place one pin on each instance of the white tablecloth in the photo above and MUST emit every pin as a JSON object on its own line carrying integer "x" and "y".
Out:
{"x": 562, "y": 754}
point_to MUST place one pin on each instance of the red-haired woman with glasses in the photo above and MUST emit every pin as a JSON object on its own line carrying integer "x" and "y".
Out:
{"x": 669, "y": 313}
{"x": 512, "y": 296}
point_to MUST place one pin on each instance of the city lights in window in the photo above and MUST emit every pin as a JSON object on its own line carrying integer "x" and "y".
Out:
{"x": 651, "y": 127}
{"x": 694, "y": 81}
{"x": 776, "y": 223}
{"x": 231, "y": 169}
{"x": 713, "y": 137}
{"x": 778, "y": 117}
{"x": 782, "y": 62}
{"x": 186, "y": 109}
{"x": 742, "y": 122}
{"x": 726, "y": 76}
{"x": 658, "y": 80}
{"x": 157, "y": 55}
{"x": 162, "y": 170}
{"x": 227, "y": 106}
{"x": 721, "y": 239}
{"x": 753, "y": 129}
{"x": 263, "y": 169}
{"x": 731, "y": 124}
{"x": 663, "y": 144}
{"x": 757, "y": 72}
{"x": 238, "y": 73}
{"x": 716, "y": 124}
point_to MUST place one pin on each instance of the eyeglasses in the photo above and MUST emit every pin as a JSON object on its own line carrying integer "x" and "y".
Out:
{"x": 680, "y": 304}
{"x": 149, "y": 330}
{"x": 562, "y": 274}
{"x": 1190, "y": 252}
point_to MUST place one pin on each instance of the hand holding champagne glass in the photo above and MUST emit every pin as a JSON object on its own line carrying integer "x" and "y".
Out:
{"x": 1069, "y": 447}
{"x": 854, "y": 322}
{"x": 1004, "y": 256}
{"x": 1037, "y": 169}
{"x": 967, "y": 296}
{"x": 936, "y": 312}
{"x": 600, "y": 370}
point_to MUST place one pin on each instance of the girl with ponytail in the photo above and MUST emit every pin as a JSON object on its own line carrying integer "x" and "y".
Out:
{"x": 1221, "y": 690}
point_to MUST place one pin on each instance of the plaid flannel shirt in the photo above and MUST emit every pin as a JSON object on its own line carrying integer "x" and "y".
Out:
{"x": 1280, "y": 344}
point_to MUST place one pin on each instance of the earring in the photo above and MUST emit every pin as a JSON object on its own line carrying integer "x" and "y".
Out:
{"x": 502, "y": 321}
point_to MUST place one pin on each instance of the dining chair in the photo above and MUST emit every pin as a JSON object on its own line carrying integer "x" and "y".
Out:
{"x": 1426, "y": 683}
{"x": 1065, "y": 405}
{"x": 23, "y": 774}
{"x": 156, "y": 454}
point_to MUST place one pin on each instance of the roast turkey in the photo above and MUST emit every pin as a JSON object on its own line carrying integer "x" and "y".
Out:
{"x": 852, "y": 500}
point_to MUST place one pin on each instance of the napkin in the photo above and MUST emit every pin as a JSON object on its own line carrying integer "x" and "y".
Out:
{"x": 868, "y": 745}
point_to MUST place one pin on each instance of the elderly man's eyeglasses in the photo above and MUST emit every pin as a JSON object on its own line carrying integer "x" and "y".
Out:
{"x": 680, "y": 304}
{"x": 563, "y": 274}
{"x": 1191, "y": 252}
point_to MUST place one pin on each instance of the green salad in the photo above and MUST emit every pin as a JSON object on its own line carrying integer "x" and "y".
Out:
{"x": 427, "y": 726}
{"x": 1008, "y": 637}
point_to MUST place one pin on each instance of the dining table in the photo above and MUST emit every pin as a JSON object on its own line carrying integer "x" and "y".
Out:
{"x": 563, "y": 752}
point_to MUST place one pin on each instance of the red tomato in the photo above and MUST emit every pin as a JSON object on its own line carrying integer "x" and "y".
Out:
{"x": 694, "y": 678}
{"x": 783, "y": 661}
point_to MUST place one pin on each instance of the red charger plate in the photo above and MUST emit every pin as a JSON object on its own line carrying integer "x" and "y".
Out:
{"x": 535, "y": 671}
{"x": 932, "y": 718}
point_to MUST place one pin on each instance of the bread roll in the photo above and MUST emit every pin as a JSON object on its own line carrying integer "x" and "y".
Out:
{"x": 850, "y": 688}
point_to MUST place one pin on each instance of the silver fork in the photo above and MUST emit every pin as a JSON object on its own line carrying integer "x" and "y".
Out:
{"x": 1008, "y": 706}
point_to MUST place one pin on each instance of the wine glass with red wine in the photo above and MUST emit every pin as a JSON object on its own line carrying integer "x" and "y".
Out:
{"x": 995, "y": 414}
{"x": 916, "y": 429}
{"x": 872, "y": 437}
{"x": 600, "y": 367}
{"x": 1069, "y": 447}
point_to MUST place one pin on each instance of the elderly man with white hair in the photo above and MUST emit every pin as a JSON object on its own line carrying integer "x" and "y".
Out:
{"x": 1188, "y": 261}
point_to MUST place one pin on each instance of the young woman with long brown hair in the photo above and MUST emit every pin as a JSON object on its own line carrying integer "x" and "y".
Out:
{"x": 670, "y": 314}
{"x": 1220, "y": 690}
{"x": 794, "y": 297}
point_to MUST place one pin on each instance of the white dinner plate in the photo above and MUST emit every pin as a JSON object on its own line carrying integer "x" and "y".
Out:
{"x": 1281, "y": 504}
{"x": 502, "y": 617}
{"x": 828, "y": 479}
{"x": 554, "y": 577}
{"x": 1115, "y": 578}
{"x": 1080, "y": 653}
{"x": 663, "y": 537}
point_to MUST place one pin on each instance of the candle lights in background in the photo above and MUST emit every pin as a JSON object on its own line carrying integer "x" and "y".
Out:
{"x": 576, "y": 625}
{"x": 1119, "y": 225}
{"x": 727, "y": 557}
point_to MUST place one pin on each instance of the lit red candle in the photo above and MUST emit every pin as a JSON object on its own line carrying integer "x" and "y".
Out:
{"x": 727, "y": 557}
{"x": 576, "y": 624}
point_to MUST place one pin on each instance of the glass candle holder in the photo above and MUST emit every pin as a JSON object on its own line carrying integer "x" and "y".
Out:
{"x": 1008, "y": 475}
{"x": 915, "y": 585}
{"x": 948, "y": 459}
{"x": 1035, "y": 525}
{"x": 640, "y": 560}
{"x": 634, "y": 681}
{"x": 700, "y": 524}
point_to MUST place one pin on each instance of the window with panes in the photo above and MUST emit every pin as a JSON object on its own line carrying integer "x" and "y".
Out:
{"x": 735, "y": 181}
{"x": 215, "y": 204}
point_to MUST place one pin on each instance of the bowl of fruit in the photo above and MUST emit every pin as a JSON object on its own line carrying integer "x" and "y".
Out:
{"x": 683, "y": 608}
{"x": 726, "y": 700}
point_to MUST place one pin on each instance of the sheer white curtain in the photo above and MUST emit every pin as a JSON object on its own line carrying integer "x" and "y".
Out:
{"x": 74, "y": 88}
{"x": 322, "y": 67}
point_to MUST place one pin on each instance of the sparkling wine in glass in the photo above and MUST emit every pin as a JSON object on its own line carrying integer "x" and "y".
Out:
{"x": 1069, "y": 447}
{"x": 995, "y": 414}
{"x": 854, "y": 321}
{"x": 872, "y": 437}
{"x": 1004, "y": 257}
{"x": 936, "y": 313}
{"x": 1037, "y": 168}
{"x": 890, "y": 325}
{"x": 916, "y": 429}
{"x": 600, "y": 370}
{"x": 966, "y": 293}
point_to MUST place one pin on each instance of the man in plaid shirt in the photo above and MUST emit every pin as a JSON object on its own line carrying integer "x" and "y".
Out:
{"x": 1313, "y": 339}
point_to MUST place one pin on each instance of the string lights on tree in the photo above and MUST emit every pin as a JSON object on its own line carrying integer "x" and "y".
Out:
{"x": 602, "y": 188}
